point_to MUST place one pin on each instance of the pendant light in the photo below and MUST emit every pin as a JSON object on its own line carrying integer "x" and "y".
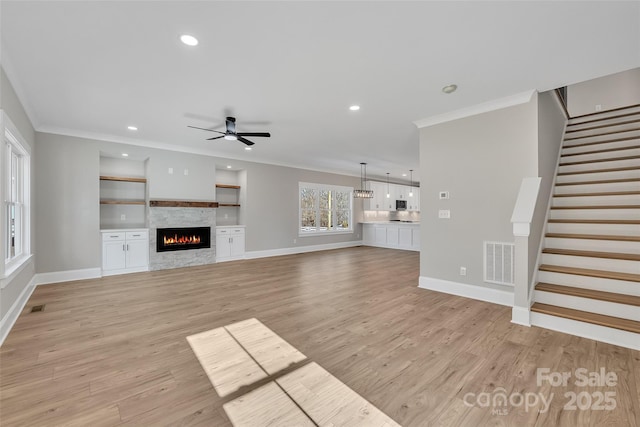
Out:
{"x": 388, "y": 192}
{"x": 411, "y": 185}
{"x": 363, "y": 193}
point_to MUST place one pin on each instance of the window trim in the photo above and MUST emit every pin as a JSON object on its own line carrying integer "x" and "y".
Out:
{"x": 329, "y": 187}
{"x": 12, "y": 137}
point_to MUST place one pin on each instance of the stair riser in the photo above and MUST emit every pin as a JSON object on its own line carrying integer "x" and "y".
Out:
{"x": 599, "y": 176}
{"x": 612, "y": 128}
{"x": 600, "y": 138}
{"x": 592, "y": 245}
{"x": 599, "y": 156}
{"x": 604, "y": 229}
{"x": 577, "y": 123}
{"x": 587, "y": 330}
{"x": 575, "y": 148}
{"x": 602, "y": 165}
{"x": 617, "y": 265}
{"x": 594, "y": 283}
{"x": 594, "y": 214}
{"x": 631, "y": 199}
{"x": 597, "y": 188}
{"x": 606, "y": 308}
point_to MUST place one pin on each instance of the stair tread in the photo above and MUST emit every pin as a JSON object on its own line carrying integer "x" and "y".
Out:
{"x": 592, "y": 254}
{"x": 611, "y": 159}
{"x": 613, "y": 132}
{"x": 601, "y": 181}
{"x": 622, "y": 169}
{"x": 585, "y": 316}
{"x": 590, "y": 273}
{"x": 589, "y": 293}
{"x": 606, "y": 141}
{"x": 595, "y": 221}
{"x": 628, "y": 122}
{"x": 598, "y": 207}
{"x": 604, "y": 150}
{"x": 603, "y": 193}
{"x": 594, "y": 237}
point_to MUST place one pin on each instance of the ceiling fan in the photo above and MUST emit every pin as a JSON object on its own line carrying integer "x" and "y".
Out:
{"x": 231, "y": 133}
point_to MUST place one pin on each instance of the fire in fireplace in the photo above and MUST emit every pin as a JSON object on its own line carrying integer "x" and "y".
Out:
{"x": 178, "y": 239}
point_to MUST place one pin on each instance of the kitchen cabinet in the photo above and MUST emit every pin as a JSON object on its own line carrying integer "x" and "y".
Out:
{"x": 230, "y": 243}
{"x": 393, "y": 235}
{"x": 125, "y": 251}
{"x": 413, "y": 202}
{"x": 380, "y": 201}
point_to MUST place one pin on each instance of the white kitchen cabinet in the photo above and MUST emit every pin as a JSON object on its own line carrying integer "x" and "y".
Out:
{"x": 125, "y": 251}
{"x": 380, "y": 201}
{"x": 230, "y": 243}
{"x": 392, "y": 235}
{"x": 415, "y": 238}
{"x": 405, "y": 237}
{"x": 413, "y": 202}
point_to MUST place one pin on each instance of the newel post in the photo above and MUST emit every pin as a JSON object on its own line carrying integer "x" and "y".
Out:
{"x": 521, "y": 220}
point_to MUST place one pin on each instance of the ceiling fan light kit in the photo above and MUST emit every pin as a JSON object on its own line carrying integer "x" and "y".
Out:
{"x": 231, "y": 135}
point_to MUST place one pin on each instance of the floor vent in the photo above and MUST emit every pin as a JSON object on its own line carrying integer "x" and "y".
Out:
{"x": 37, "y": 308}
{"x": 499, "y": 263}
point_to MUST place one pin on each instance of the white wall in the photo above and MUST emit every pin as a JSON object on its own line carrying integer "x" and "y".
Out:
{"x": 481, "y": 161}
{"x": 617, "y": 90}
{"x": 11, "y": 291}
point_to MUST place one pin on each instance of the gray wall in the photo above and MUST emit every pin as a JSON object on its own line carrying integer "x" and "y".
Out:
{"x": 68, "y": 192}
{"x": 551, "y": 125}
{"x": 12, "y": 107}
{"x": 481, "y": 161}
{"x": 617, "y": 90}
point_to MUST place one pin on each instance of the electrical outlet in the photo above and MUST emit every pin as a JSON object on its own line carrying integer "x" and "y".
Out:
{"x": 444, "y": 214}
{"x": 123, "y": 217}
{"x": 463, "y": 271}
{"x": 598, "y": 107}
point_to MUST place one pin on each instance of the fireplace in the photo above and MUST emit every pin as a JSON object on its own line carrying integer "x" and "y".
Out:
{"x": 180, "y": 239}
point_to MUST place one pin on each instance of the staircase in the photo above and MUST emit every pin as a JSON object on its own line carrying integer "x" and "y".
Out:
{"x": 589, "y": 274}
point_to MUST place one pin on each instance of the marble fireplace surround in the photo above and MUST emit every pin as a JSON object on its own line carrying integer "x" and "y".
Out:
{"x": 175, "y": 214}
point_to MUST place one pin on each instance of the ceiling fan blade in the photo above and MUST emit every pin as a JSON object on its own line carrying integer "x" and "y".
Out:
{"x": 210, "y": 130}
{"x": 215, "y": 137}
{"x": 265, "y": 134}
{"x": 231, "y": 124}
{"x": 244, "y": 140}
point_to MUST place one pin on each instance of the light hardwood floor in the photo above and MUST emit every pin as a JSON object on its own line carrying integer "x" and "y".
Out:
{"x": 113, "y": 351}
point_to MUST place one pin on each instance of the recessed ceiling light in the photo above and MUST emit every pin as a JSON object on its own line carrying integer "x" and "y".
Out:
{"x": 189, "y": 40}
{"x": 125, "y": 155}
{"x": 404, "y": 174}
{"x": 132, "y": 128}
{"x": 247, "y": 148}
{"x": 228, "y": 166}
{"x": 354, "y": 108}
{"x": 450, "y": 88}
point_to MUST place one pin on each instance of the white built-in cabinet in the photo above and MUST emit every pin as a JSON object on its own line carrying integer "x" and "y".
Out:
{"x": 392, "y": 235}
{"x": 380, "y": 201}
{"x": 125, "y": 251}
{"x": 230, "y": 243}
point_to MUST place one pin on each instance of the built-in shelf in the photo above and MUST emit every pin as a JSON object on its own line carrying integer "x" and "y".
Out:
{"x": 237, "y": 187}
{"x": 123, "y": 202}
{"x": 122, "y": 178}
{"x": 182, "y": 204}
{"x": 232, "y": 205}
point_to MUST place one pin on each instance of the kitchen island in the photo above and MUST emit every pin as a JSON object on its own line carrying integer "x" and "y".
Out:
{"x": 392, "y": 234}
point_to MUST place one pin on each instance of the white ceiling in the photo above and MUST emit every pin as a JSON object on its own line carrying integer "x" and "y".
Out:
{"x": 293, "y": 68}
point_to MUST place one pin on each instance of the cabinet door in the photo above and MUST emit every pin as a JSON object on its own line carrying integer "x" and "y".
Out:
{"x": 237, "y": 245}
{"x": 381, "y": 235}
{"x": 404, "y": 237}
{"x": 392, "y": 236}
{"x": 415, "y": 238}
{"x": 137, "y": 253}
{"x": 414, "y": 201}
{"x": 223, "y": 246}
{"x": 113, "y": 255}
{"x": 368, "y": 234}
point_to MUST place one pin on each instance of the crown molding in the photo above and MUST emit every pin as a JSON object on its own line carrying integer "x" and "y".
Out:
{"x": 485, "y": 107}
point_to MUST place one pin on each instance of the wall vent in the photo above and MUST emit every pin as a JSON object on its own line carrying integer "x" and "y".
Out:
{"x": 499, "y": 263}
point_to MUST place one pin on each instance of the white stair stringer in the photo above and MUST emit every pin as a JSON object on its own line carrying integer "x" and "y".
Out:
{"x": 587, "y": 330}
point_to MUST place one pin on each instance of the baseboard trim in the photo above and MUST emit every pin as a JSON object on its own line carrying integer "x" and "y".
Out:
{"x": 468, "y": 291}
{"x": 521, "y": 316}
{"x": 123, "y": 271}
{"x": 587, "y": 330}
{"x": 12, "y": 315}
{"x": 300, "y": 249}
{"x": 67, "y": 276}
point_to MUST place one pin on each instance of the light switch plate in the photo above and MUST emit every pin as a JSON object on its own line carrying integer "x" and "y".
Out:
{"x": 444, "y": 214}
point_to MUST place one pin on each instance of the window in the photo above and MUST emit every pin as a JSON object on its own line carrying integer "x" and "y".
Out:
{"x": 15, "y": 177}
{"x": 325, "y": 209}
